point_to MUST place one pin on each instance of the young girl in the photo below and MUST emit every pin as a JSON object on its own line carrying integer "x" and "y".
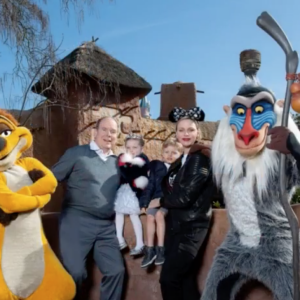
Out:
{"x": 134, "y": 166}
{"x": 171, "y": 150}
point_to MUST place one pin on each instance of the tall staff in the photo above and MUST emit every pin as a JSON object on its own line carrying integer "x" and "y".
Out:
{"x": 270, "y": 26}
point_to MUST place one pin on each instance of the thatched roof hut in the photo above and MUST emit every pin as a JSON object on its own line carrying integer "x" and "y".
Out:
{"x": 91, "y": 61}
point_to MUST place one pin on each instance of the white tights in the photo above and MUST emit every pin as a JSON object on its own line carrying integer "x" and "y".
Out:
{"x": 137, "y": 227}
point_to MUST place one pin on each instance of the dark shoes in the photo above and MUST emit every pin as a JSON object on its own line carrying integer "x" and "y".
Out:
{"x": 149, "y": 258}
{"x": 153, "y": 254}
{"x": 160, "y": 256}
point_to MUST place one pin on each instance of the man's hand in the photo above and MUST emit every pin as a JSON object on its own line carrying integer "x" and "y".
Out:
{"x": 143, "y": 211}
{"x": 154, "y": 203}
{"x": 279, "y": 136}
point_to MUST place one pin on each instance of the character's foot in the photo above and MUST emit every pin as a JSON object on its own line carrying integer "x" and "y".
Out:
{"x": 160, "y": 258}
{"x": 123, "y": 245}
{"x": 150, "y": 256}
{"x": 137, "y": 251}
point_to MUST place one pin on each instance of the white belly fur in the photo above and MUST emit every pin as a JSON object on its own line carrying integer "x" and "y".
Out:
{"x": 22, "y": 261}
{"x": 241, "y": 209}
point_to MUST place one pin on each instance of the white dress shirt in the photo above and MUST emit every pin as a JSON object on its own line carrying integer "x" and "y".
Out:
{"x": 183, "y": 159}
{"x": 99, "y": 151}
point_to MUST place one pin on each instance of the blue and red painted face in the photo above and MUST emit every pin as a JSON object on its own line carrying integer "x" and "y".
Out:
{"x": 249, "y": 121}
{"x": 259, "y": 114}
{"x": 252, "y": 113}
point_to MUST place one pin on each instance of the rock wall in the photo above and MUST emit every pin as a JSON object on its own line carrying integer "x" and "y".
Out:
{"x": 129, "y": 118}
{"x": 57, "y": 128}
{"x": 144, "y": 284}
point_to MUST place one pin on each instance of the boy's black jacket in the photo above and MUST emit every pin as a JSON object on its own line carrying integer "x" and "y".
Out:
{"x": 158, "y": 171}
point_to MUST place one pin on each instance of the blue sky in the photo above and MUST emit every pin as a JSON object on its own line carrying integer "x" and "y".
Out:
{"x": 174, "y": 40}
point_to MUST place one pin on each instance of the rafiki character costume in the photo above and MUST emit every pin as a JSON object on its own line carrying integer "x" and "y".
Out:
{"x": 29, "y": 270}
{"x": 259, "y": 242}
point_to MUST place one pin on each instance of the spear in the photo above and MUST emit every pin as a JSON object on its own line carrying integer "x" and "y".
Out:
{"x": 270, "y": 26}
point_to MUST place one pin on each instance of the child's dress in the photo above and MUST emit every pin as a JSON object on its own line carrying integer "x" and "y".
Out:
{"x": 127, "y": 202}
{"x": 134, "y": 179}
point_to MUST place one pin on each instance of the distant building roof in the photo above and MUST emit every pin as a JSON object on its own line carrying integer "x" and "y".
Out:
{"x": 96, "y": 63}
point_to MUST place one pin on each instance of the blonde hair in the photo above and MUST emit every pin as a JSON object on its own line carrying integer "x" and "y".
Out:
{"x": 173, "y": 143}
{"x": 187, "y": 118}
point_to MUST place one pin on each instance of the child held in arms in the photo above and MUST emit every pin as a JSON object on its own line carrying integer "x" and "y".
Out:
{"x": 171, "y": 150}
{"x": 134, "y": 167}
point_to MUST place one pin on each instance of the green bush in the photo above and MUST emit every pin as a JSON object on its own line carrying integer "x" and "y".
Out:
{"x": 296, "y": 197}
{"x": 216, "y": 204}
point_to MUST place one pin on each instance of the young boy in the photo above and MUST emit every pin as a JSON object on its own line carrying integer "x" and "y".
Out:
{"x": 156, "y": 216}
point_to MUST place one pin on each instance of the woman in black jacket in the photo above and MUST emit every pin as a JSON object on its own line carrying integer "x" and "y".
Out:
{"x": 187, "y": 189}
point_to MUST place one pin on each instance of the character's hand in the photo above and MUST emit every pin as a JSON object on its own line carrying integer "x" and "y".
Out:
{"x": 43, "y": 200}
{"x": 205, "y": 149}
{"x": 36, "y": 174}
{"x": 143, "y": 211}
{"x": 5, "y": 218}
{"x": 279, "y": 136}
{"x": 154, "y": 203}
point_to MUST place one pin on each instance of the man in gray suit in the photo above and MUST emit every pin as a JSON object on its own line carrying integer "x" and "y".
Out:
{"x": 87, "y": 217}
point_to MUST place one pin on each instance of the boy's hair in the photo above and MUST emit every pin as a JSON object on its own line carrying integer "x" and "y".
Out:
{"x": 136, "y": 137}
{"x": 172, "y": 142}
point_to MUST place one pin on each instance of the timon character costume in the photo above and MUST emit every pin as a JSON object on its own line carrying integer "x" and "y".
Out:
{"x": 259, "y": 242}
{"x": 29, "y": 270}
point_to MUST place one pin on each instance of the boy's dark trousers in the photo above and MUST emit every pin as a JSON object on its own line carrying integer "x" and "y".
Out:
{"x": 179, "y": 272}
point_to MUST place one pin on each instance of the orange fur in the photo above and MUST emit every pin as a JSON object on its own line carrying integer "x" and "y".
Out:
{"x": 9, "y": 116}
{"x": 27, "y": 196}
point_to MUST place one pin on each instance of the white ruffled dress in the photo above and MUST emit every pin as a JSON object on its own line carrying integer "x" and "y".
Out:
{"x": 126, "y": 201}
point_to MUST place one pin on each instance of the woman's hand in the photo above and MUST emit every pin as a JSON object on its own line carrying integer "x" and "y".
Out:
{"x": 154, "y": 203}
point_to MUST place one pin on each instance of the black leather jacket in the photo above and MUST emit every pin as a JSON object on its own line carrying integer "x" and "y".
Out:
{"x": 189, "y": 198}
{"x": 158, "y": 171}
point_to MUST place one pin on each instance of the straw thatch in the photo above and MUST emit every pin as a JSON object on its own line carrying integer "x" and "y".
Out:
{"x": 91, "y": 60}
